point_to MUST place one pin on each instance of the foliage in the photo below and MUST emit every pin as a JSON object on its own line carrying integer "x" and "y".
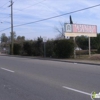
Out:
{"x": 20, "y": 38}
{"x": 63, "y": 48}
{"x": 50, "y": 48}
{"x": 82, "y": 42}
{"x": 33, "y": 48}
{"x": 4, "y": 38}
{"x": 17, "y": 49}
{"x": 14, "y": 35}
{"x": 58, "y": 48}
{"x": 27, "y": 47}
{"x": 38, "y": 47}
{"x": 95, "y": 42}
{"x": 98, "y": 50}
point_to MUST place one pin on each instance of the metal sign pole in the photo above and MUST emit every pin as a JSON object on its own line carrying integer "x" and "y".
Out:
{"x": 74, "y": 48}
{"x": 89, "y": 47}
{"x": 44, "y": 40}
{"x": 44, "y": 49}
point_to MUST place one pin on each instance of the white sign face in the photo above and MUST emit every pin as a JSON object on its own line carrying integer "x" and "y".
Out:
{"x": 74, "y": 30}
{"x": 68, "y": 28}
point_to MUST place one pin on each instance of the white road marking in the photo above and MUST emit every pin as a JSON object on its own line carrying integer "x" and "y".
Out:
{"x": 75, "y": 90}
{"x": 8, "y": 70}
{"x": 75, "y": 63}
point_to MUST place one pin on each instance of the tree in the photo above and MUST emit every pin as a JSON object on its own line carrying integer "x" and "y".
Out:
{"x": 14, "y": 35}
{"x": 20, "y": 39}
{"x": 27, "y": 48}
{"x": 33, "y": 48}
{"x": 95, "y": 42}
{"x": 4, "y": 38}
{"x": 82, "y": 42}
{"x": 38, "y": 47}
{"x": 17, "y": 49}
{"x": 60, "y": 31}
{"x": 50, "y": 48}
{"x": 71, "y": 22}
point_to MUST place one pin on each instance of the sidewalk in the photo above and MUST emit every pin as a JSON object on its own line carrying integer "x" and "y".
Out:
{"x": 76, "y": 61}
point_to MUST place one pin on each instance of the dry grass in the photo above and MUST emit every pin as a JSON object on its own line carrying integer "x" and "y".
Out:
{"x": 86, "y": 57}
{"x": 95, "y": 57}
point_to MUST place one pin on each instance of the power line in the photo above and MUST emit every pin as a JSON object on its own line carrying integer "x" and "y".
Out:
{"x": 54, "y": 16}
{"x": 5, "y": 29}
{"x": 58, "y": 15}
{"x": 4, "y": 8}
{"x": 3, "y": 4}
{"x": 31, "y": 5}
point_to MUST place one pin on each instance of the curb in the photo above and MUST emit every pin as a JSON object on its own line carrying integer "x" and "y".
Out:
{"x": 59, "y": 60}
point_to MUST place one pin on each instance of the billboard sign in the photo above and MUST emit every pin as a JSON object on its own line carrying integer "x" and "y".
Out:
{"x": 74, "y": 30}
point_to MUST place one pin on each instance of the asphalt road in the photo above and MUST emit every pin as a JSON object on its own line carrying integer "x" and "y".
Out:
{"x": 32, "y": 79}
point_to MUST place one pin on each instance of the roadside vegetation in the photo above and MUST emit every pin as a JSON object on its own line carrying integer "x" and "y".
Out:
{"x": 57, "y": 48}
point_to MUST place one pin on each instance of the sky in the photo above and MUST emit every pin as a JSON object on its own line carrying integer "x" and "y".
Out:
{"x": 27, "y": 11}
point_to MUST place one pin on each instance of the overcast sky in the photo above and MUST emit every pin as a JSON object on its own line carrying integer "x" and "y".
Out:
{"x": 26, "y": 11}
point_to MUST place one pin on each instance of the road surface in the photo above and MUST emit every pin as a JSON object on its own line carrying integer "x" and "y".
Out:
{"x": 33, "y": 79}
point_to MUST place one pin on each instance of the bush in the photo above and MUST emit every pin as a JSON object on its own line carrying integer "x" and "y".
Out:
{"x": 27, "y": 48}
{"x": 58, "y": 48}
{"x": 50, "y": 48}
{"x": 63, "y": 48}
{"x": 98, "y": 49}
{"x": 16, "y": 49}
{"x": 33, "y": 48}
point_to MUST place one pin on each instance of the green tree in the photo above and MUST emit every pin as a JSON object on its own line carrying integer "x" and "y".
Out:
{"x": 20, "y": 38}
{"x": 38, "y": 47}
{"x": 14, "y": 35}
{"x": 4, "y": 38}
{"x": 50, "y": 48}
{"x": 17, "y": 49}
{"x": 95, "y": 42}
{"x": 27, "y": 48}
{"x": 82, "y": 42}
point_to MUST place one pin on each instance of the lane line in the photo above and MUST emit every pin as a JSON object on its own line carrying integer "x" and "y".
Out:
{"x": 7, "y": 70}
{"x": 75, "y": 90}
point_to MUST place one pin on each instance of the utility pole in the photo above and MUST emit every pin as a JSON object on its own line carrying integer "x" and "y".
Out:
{"x": 11, "y": 27}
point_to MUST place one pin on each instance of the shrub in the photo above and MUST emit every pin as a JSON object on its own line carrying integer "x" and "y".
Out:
{"x": 63, "y": 48}
{"x": 27, "y": 48}
{"x": 50, "y": 48}
{"x": 16, "y": 49}
{"x": 98, "y": 49}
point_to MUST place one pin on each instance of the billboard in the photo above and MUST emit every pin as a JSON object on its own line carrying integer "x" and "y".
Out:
{"x": 74, "y": 30}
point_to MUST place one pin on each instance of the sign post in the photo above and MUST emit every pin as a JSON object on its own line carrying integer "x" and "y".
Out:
{"x": 44, "y": 40}
{"x": 74, "y": 49}
{"x": 89, "y": 47}
{"x": 73, "y": 30}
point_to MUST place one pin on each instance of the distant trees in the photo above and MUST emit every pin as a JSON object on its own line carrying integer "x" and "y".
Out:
{"x": 95, "y": 42}
{"x": 4, "y": 38}
{"x": 6, "y": 43}
{"x": 82, "y": 42}
{"x": 20, "y": 38}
